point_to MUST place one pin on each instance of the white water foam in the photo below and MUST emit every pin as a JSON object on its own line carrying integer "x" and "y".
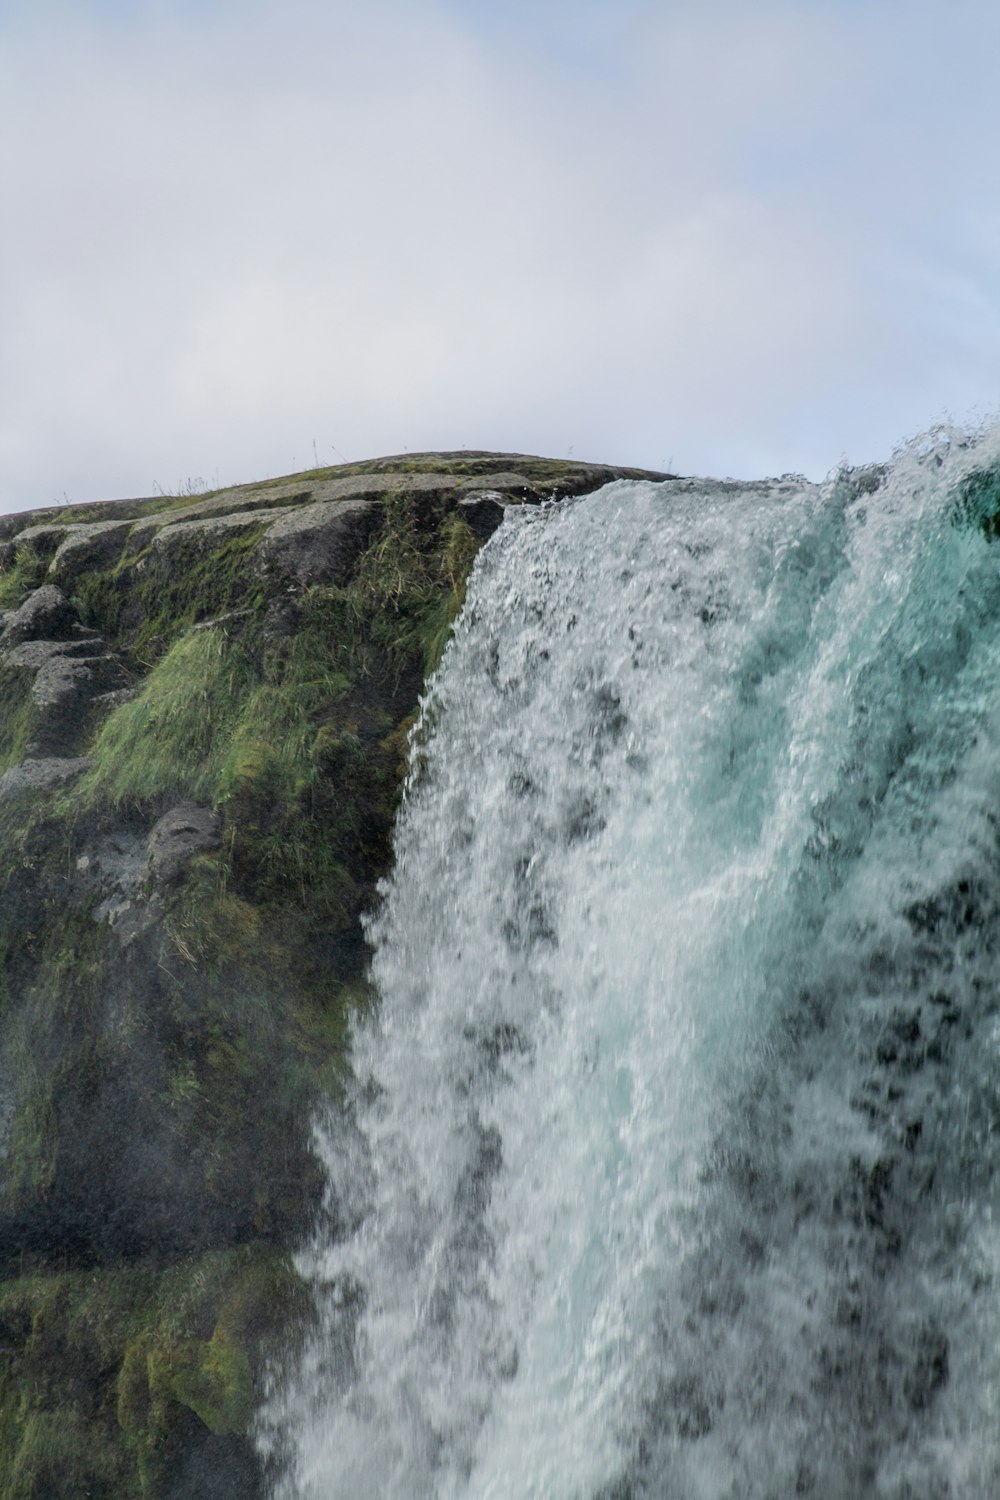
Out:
{"x": 656, "y": 1179}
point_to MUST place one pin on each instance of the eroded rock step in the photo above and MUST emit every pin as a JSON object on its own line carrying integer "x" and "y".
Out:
{"x": 44, "y": 643}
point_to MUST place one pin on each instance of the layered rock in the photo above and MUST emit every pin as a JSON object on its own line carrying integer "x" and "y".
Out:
{"x": 59, "y": 669}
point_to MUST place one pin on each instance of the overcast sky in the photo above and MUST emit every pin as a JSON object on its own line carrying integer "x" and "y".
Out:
{"x": 727, "y": 236}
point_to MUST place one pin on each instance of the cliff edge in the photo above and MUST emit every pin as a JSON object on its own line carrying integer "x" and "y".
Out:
{"x": 206, "y": 702}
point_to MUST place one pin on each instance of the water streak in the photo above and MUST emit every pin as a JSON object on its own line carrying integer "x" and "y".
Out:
{"x": 669, "y": 1171}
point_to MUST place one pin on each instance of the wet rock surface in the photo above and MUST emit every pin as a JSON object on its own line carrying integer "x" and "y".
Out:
{"x": 185, "y": 830}
{"x": 123, "y": 876}
{"x": 68, "y": 666}
{"x": 45, "y": 615}
{"x": 42, "y": 775}
{"x": 61, "y": 693}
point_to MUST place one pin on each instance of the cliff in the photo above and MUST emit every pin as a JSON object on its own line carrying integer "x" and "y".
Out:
{"x": 206, "y": 702}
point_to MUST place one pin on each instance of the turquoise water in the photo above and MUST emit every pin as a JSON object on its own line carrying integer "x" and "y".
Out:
{"x": 669, "y": 1170}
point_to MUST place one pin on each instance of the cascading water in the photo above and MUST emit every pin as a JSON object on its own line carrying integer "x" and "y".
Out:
{"x": 669, "y": 1170}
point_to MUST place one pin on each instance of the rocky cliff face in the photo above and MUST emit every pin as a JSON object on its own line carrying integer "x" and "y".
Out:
{"x": 205, "y": 708}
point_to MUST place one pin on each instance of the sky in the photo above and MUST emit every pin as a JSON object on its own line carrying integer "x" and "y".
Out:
{"x": 728, "y": 237}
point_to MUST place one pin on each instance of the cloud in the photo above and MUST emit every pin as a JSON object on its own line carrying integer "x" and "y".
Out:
{"x": 741, "y": 238}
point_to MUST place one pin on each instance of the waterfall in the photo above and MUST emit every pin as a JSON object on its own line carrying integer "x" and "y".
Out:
{"x": 668, "y": 1170}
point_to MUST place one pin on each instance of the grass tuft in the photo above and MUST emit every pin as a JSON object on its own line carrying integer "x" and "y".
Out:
{"x": 170, "y": 741}
{"x": 26, "y": 573}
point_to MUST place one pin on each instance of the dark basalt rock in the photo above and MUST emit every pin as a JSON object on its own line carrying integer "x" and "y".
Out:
{"x": 85, "y": 547}
{"x": 318, "y": 543}
{"x": 483, "y": 512}
{"x": 182, "y": 832}
{"x": 32, "y": 656}
{"x": 68, "y": 665}
{"x": 42, "y": 775}
{"x": 123, "y": 877}
{"x": 60, "y": 695}
{"x": 182, "y": 879}
{"x": 45, "y": 615}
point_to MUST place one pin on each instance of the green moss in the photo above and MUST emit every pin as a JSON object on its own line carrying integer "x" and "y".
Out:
{"x": 222, "y": 1022}
{"x": 272, "y": 751}
{"x": 195, "y": 579}
{"x": 145, "y": 601}
{"x": 255, "y": 1301}
{"x": 458, "y": 553}
{"x": 409, "y": 584}
{"x": 171, "y": 739}
{"x": 20, "y": 577}
{"x": 35, "y": 838}
{"x": 213, "y": 1379}
{"x": 17, "y": 720}
{"x": 60, "y": 1453}
{"x": 56, "y": 978}
{"x": 99, "y": 596}
{"x": 112, "y": 510}
{"x": 97, "y": 1369}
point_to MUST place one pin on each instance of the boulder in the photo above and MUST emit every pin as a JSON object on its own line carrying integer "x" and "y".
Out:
{"x": 210, "y": 532}
{"x": 87, "y": 546}
{"x": 110, "y": 701}
{"x": 41, "y": 540}
{"x": 65, "y": 675}
{"x": 128, "y": 873}
{"x": 319, "y": 543}
{"x": 182, "y": 832}
{"x": 46, "y": 615}
{"x": 483, "y": 511}
{"x": 32, "y": 656}
{"x": 61, "y": 693}
{"x": 115, "y": 870}
{"x": 41, "y": 775}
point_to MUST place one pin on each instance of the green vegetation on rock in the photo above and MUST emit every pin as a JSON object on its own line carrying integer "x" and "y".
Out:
{"x": 26, "y": 572}
{"x": 171, "y": 739}
{"x": 184, "y": 865}
{"x": 111, "y": 1367}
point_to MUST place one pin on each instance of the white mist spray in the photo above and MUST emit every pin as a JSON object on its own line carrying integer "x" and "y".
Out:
{"x": 679, "y": 781}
